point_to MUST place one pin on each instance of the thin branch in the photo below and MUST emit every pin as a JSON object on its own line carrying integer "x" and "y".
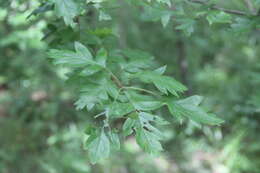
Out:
{"x": 230, "y": 11}
{"x": 116, "y": 80}
{"x": 98, "y": 115}
{"x": 113, "y": 77}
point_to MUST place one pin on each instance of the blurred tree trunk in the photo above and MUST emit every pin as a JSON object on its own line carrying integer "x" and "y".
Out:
{"x": 183, "y": 64}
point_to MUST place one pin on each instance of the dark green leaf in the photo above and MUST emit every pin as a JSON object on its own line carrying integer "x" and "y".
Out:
{"x": 89, "y": 129}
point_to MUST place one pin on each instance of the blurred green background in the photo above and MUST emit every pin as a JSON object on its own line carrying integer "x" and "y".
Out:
{"x": 42, "y": 132}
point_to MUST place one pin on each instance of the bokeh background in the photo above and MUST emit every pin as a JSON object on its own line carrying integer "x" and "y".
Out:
{"x": 41, "y": 132}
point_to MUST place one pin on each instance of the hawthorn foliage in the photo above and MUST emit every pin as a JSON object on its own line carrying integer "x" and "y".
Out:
{"x": 124, "y": 84}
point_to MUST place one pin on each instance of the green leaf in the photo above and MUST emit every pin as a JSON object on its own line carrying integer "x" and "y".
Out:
{"x": 198, "y": 115}
{"x": 90, "y": 70}
{"x": 145, "y": 120}
{"x": 98, "y": 33}
{"x": 186, "y": 25}
{"x": 142, "y": 122}
{"x": 101, "y": 57}
{"x": 41, "y": 9}
{"x": 95, "y": 1}
{"x": 189, "y": 108}
{"x": 148, "y": 141}
{"x": 67, "y": 58}
{"x": 147, "y": 105}
{"x": 152, "y": 14}
{"x": 219, "y": 17}
{"x": 128, "y": 126}
{"x": 156, "y": 13}
{"x": 114, "y": 138}
{"x": 142, "y": 102}
{"x": 68, "y": 9}
{"x": 89, "y": 129}
{"x": 95, "y": 90}
{"x": 94, "y": 93}
{"x": 111, "y": 89}
{"x": 175, "y": 110}
{"x": 165, "y": 19}
{"x": 242, "y": 25}
{"x": 93, "y": 134}
{"x": 160, "y": 120}
{"x": 137, "y": 60}
{"x": 164, "y": 83}
{"x": 104, "y": 16}
{"x": 160, "y": 70}
{"x": 192, "y": 100}
{"x": 99, "y": 148}
{"x": 82, "y": 50}
{"x": 117, "y": 109}
{"x": 168, "y": 2}
{"x": 86, "y": 101}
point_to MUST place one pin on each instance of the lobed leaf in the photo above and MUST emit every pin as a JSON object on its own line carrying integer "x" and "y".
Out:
{"x": 98, "y": 147}
{"x": 81, "y": 58}
{"x": 142, "y": 102}
{"x": 189, "y": 108}
{"x": 67, "y": 9}
{"x": 164, "y": 83}
{"x": 148, "y": 141}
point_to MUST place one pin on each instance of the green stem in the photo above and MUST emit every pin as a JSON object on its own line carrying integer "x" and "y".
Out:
{"x": 114, "y": 78}
{"x": 98, "y": 115}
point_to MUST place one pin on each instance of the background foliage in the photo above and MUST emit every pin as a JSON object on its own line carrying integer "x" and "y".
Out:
{"x": 208, "y": 46}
